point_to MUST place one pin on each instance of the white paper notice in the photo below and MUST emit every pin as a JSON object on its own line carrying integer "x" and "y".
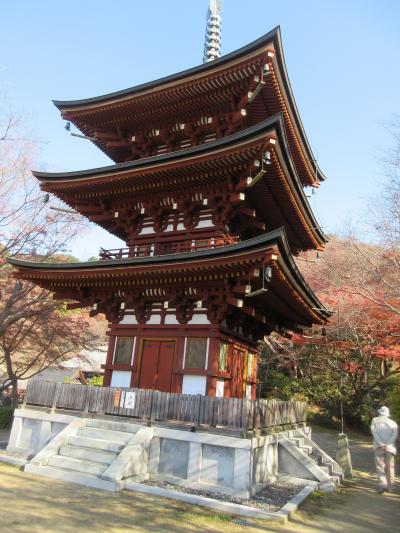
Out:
{"x": 130, "y": 399}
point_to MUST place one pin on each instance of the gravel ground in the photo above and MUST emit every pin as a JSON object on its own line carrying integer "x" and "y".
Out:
{"x": 271, "y": 498}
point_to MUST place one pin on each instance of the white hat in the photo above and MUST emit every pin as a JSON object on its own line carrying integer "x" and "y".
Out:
{"x": 384, "y": 411}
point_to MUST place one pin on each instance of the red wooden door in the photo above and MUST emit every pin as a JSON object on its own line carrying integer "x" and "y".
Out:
{"x": 156, "y": 365}
{"x": 149, "y": 364}
{"x": 165, "y": 365}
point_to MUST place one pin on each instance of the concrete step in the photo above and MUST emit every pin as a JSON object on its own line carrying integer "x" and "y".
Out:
{"x": 112, "y": 425}
{"x": 307, "y": 450}
{"x": 104, "y": 434}
{"x": 328, "y": 486}
{"x": 336, "y": 477}
{"x": 329, "y": 466}
{"x": 324, "y": 469}
{"x": 316, "y": 457}
{"x": 297, "y": 441}
{"x": 97, "y": 444}
{"x": 77, "y": 465}
{"x": 70, "y": 476}
{"x": 89, "y": 454}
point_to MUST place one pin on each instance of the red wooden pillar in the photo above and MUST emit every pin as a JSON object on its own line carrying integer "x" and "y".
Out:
{"x": 213, "y": 364}
{"x": 177, "y": 377}
{"x": 109, "y": 361}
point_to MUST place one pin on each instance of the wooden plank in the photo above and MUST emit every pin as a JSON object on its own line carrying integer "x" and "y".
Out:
{"x": 197, "y": 410}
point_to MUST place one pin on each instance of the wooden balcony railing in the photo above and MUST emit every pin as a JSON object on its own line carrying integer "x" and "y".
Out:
{"x": 165, "y": 248}
{"x": 195, "y": 411}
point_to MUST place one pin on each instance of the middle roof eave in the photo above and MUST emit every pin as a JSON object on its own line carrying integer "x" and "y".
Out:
{"x": 274, "y": 126}
{"x": 263, "y": 127}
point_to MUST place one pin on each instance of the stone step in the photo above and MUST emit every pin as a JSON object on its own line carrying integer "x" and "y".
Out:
{"x": 77, "y": 465}
{"x": 112, "y": 425}
{"x": 329, "y": 466}
{"x": 317, "y": 458}
{"x": 89, "y": 454}
{"x": 336, "y": 477}
{"x": 324, "y": 469}
{"x": 97, "y": 444}
{"x": 297, "y": 441}
{"x": 307, "y": 450}
{"x": 328, "y": 486}
{"x": 70, "y": 476}
{"x": 104, "y": 434}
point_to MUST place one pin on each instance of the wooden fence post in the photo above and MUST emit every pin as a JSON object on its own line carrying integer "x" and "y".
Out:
{"x": 246, "y": 416}
{"x": 196, "y": 414}
{"x": 87, "y": 399}
{"x": 56, "y": 395}
{"x": 28, "y": 385}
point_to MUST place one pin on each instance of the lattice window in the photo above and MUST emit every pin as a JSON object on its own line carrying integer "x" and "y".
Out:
{"x": 196, "y": 353}
{"x": 123, "y": 350}
{"x": 223, "y": 357}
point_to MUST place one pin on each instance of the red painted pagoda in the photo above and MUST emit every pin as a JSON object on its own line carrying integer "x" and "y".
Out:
{"x": 207, "y": 193}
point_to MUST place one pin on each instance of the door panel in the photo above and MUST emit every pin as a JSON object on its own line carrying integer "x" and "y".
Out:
{"x": 149, "y": 363}
{"x": 165, "y": 365}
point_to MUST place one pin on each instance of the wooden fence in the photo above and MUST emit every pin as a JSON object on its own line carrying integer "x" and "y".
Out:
{"x": 151, "y": 405}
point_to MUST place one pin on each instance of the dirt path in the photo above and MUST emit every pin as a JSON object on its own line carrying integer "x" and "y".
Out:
{"x": 32, "y": 504}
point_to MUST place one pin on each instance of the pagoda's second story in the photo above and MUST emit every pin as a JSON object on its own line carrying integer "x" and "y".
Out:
{"x": 218, "y": 193}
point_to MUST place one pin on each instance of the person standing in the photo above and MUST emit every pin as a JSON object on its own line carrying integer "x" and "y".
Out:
{"x": 384, "y": 431}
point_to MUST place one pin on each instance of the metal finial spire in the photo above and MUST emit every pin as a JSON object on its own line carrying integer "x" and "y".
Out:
{"x": 212, "y": 46}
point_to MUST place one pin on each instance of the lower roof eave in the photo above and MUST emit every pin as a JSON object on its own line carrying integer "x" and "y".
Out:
{"x": 274, "y": 243}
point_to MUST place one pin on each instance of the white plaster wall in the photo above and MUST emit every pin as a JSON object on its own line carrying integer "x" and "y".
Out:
{"x": 194, "y": 384}
{"x": 207, "y": 223}
{"x": 219, "y": 393}
{"x": 146, "y": 230}
{"x": 120, "y": 378}
{"x": 170, "y": 319}
{"x": 154, "y": 319}
{"x": 129, "y": 319}
{"x": 200, "y": 318}
{"x": 248, "y": 392}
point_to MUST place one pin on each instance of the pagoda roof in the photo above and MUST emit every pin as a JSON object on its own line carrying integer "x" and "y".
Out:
{"x": 278, "y": 198}
{"x": 288, "y": 296}
{"x": 206, "y": 88}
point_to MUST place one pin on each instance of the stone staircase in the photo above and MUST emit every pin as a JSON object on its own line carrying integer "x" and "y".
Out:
{"x": 89, "y": 453}
{"x": 301, "y": 459}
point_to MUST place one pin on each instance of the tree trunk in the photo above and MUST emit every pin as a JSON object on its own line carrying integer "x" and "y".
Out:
{"x": 14, "y": 393}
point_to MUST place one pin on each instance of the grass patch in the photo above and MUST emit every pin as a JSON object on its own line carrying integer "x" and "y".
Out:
{"x": 316, "y": 496}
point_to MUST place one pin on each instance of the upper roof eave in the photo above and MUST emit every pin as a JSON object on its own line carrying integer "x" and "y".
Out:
{"x": 271, "y": 36}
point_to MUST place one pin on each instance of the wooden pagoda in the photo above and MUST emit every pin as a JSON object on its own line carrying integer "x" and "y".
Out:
{"x": 207, "y": 193}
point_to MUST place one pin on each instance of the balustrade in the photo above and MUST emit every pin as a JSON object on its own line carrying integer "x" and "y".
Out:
{"x": 166, "y": 248}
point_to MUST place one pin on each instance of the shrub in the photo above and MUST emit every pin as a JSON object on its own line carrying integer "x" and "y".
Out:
{"x": 394, "y": 402}
{"x": 97, "y": 381}
{"x": 6, "y": 415}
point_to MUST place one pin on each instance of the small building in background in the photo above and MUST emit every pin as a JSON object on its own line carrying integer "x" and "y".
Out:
{"x": 79, "y": 369}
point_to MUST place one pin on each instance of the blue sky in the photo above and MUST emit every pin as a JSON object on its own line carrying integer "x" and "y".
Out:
{"x": 342, "y": 59}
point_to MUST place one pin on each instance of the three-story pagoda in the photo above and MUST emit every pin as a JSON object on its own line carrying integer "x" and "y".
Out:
{"x": 207, "y": 193}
